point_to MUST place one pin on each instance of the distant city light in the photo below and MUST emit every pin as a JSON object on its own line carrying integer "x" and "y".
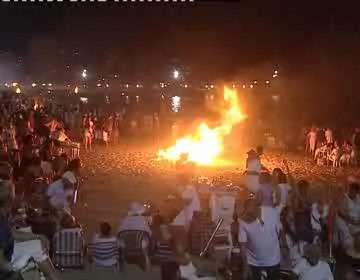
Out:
{"x": 44, "y": 85}
{"x": 255, "y": 82}
{"x": 122, "y": 94}
{"x": 6, "y": 85}
{"x": 107, "y": 85}
{"x": 84, "y": 73}
{"x": 127, "y": 85}
{"x": 98, "y": 85}
{"x": 175, "y": 103}
{"x": 212, "y": 86}
{"x": 176, "y": 74}
{"x": 275, "y": 76}
{"x": 50, "y": 84}
{"x": 243, "y": 86}
{"x": 18, "y": 90}
{"x": 251, "y": 86}
{"x": 185, "y": 86}
{"x": 76, "y": 90}
{"x": 162, "y": 85}
{"x": 138, "y": 86}
{"x": 275, "y": 98}
{"x": 15, "y": 84}
{"x": 233, "y": 86}
{"x": 33, "y": 85}
{"x": 267, "y": 82}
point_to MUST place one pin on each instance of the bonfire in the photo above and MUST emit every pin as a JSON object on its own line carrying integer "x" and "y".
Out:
{"x": 206, "y": 144}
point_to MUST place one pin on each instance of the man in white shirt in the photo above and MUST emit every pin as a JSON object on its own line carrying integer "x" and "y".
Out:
{"x": 60, "y": 193}
{"x": 192, "y": 203}
{"x": 312, "y": 267}
{"x": 135, "y": 220}
{"x": 259, "y": 234}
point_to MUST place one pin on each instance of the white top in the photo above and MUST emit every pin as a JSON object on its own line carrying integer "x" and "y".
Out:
{"x": 185, "y": 216}
{"x": 70, "y": 176}
{"x": 329, "y": 136}
{"x": 305, "y": 271}
{"x": 284, "y": 193}
{"x": 57, "y": 194}
{"x": 316, "y": 216}
{"x": 135, "y": 223}
{"x": 262, "y": 238}
{"x": 252, "y": 180}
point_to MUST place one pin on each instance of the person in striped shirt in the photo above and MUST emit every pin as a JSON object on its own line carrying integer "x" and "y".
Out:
{"x": 104, "y": 248}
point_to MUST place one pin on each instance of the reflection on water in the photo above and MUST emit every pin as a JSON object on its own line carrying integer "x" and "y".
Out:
{"x": 175, "y": 103}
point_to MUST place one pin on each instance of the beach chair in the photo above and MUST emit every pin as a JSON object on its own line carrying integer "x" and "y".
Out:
{"x": 135, "y": 247}
{"x": 68, "y": 248}
{"x": 105, "y": 254}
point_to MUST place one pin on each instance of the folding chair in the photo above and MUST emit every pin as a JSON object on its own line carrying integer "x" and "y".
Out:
{"x": 68, "y": 248}
{"x": 135, "y": 247}
{"x": 105, "y": 251}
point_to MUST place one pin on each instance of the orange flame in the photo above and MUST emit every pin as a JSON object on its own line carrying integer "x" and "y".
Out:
{"x": 206, "y": 144}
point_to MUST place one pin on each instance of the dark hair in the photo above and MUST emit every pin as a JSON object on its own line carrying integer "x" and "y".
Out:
{"x": 282, "y": 179}
{"x": 260, "y": 150}
{"x": 75, "y": 164}
{"x": 354, "y": 187}
{"x": 303, "y": 184}
{"x": 285, "y": 224}
{"x": 105, "y": 229}
{"x": 277, "y": 171}
{"x": 265, "y": 177}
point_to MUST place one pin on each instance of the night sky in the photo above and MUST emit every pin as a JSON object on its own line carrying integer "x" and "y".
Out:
{"x": 315, "y": 43}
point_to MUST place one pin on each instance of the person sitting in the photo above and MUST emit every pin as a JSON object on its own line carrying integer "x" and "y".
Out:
{"x": 104, "y": 248}
{"x": 311, "y": 267}
{"x": 134, "y": 236}
{"x": 17, "y": 247}
{"x": 320, "y": 153}
{"x": 348, "y": 218}
{"x": 335, "y": 155}
{"x": 135, "y": 219}
{"x": 187, "y": 266}
{"x": 345, "y": 158}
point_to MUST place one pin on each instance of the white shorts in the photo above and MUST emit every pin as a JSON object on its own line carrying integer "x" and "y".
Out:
{"x": 98, "y": 134}
{"x": 105, "y": 136}
{"x": 26, "y": 250}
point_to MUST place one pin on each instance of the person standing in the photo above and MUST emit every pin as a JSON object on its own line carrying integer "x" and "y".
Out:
{"x": 190, "y": 204}
{"x": 259, "y": 237}
{"x": 253, "y": 169}
{"x": 329, "y": 136}
{"x": 312, "y": 136}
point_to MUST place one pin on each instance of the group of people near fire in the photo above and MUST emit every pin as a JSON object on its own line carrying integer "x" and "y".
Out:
{"x": 326, "y": 147}
{"x": 279, "y": 228}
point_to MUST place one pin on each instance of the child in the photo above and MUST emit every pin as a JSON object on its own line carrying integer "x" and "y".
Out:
{"x": 104, "y": 249}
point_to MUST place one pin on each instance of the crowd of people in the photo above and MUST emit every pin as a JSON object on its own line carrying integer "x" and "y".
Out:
{"x": 271, "y": 227}
{"x": 327, "y": 149}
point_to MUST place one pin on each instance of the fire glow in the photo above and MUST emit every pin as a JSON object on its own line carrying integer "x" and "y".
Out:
{"x": 206, "y": 144}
